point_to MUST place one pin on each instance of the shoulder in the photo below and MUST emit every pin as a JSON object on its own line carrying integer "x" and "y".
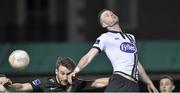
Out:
{"x": 131, "y": 35}
{"x": 39, "y": 84}
{"x": 40, "y": 81}
{"x": 36, "y": 82}
{"x": 104, "y": 37}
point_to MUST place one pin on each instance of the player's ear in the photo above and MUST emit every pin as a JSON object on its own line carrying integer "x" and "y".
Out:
{"x": 56, "y": 71}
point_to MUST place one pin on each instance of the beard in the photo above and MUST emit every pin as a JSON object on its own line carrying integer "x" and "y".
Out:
{"x": 112, "y": 23}
{"x": 64, "y": 82}
{"x": 115, "y": 23}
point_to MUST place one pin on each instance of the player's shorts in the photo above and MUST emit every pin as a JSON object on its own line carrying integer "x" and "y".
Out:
{"x": 118, "y": 83}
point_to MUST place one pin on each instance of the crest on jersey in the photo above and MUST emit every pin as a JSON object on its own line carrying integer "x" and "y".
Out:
{"x": 128, "y": 47}
{"x": 36, "y": 82}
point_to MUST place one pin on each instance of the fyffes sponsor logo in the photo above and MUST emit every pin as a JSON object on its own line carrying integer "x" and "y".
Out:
{"x": 128, "y": 47}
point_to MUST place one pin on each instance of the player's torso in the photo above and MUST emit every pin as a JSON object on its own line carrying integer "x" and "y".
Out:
{"x": 120, "y": 49}
{"x": 53, "y": 86}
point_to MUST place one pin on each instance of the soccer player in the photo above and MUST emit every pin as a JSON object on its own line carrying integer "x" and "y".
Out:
{"x": 59, "y": 83}
{"x": 121, "y": 49}
{"x": 166, "y": 84}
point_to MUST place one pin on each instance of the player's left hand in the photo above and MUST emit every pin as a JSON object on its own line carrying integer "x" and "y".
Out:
{"x": 6, "y": 83}
{"x": 5, "y": 80}
{"x": 152, "y": 89}
{"x": 71, "y": 76}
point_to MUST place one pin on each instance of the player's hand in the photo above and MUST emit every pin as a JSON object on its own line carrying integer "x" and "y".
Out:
{"x": 71, "y": 76}
{"x": 5, "y": 80}
{"x": 152, "y": 89}
{"x": 7, "y": 83}
{"x": 2, "y": 89}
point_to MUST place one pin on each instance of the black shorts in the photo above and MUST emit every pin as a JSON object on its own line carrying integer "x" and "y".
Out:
{"x": 117, "y": 83}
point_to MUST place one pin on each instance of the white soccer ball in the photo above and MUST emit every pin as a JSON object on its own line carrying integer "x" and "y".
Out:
{"x": 19, "y": 59}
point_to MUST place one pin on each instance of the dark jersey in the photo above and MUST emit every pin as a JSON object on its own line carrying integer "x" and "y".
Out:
{"x": 51, "y": 85}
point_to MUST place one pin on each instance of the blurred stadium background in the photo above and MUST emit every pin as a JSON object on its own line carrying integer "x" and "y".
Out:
{"x": 47, "y": 29}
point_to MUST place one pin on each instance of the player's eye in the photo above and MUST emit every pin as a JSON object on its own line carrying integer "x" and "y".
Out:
{"x": 62, "y": 73}
{"x": 106, "y": 15}
{"x": 68, "y": 73}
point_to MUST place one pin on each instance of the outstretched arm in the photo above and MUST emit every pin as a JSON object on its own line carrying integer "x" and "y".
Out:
{"x": 145, "y": 78}
{"x": 21, "y": 87}
{"x": 97, "y": 83}
{"x": 84, "y": 61}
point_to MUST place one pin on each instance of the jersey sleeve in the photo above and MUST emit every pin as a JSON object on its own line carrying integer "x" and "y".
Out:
{"x": 99, "y": 43}
{"x": 37, "y": 84}
{"x": 132, "y": 37}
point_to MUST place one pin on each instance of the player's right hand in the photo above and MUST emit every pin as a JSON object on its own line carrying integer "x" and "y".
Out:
{"x": 71, "y": 76}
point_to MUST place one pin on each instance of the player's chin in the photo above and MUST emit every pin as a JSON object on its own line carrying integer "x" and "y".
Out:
{"x": 64, "y": 83}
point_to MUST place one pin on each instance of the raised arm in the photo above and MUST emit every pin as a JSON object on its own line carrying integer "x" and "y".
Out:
{"x": 145, "y": 78}
{"x": 84, "y": 61}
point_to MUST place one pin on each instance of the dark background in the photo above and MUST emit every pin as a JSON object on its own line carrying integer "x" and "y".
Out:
{"x": 50, "y": 20}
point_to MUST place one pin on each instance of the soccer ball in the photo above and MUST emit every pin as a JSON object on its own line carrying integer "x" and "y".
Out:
{"x": 19, "y": 59}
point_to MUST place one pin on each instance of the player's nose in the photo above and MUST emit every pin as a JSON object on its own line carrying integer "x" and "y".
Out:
{"x": 164, "y": 87}
{"x": 65, "y": 77}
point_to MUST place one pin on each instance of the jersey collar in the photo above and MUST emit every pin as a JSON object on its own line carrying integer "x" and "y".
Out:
{"x": 114, "y": 31}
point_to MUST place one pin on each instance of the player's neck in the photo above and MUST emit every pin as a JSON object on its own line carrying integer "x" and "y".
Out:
{"x": 115, "y": 28}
